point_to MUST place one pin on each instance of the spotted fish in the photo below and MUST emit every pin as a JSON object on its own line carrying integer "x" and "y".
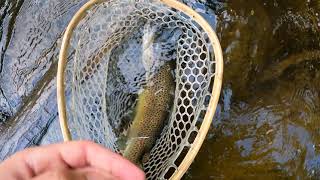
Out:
{"x": 153, "y": 106}
{"x": 152, "y": 111}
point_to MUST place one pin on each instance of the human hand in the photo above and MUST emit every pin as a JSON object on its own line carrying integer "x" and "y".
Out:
{"x": 69, "y": 161}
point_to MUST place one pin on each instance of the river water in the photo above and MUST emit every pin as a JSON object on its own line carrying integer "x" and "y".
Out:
{"x": 267, "y": 122}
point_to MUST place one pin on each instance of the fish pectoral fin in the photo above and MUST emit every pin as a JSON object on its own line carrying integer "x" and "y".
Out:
{"x": 145, "y": 157}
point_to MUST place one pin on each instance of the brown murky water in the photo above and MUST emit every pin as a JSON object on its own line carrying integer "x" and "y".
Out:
{"x": 267, "y": 124}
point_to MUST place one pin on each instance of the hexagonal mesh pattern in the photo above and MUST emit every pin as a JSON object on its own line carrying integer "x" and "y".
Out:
{"x": 108, "y": 72}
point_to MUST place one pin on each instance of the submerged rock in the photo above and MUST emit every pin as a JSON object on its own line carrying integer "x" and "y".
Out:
{"x": 30, "y": 34}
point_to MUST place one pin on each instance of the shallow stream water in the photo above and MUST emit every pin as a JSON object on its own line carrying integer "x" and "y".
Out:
{"x": 267, "y": 123}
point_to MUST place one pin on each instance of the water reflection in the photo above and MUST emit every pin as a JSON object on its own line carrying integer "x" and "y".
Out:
{"x": 274, "y": 132}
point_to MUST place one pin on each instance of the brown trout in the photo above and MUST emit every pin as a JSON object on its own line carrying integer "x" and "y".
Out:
{"x": 151, "y": 113}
